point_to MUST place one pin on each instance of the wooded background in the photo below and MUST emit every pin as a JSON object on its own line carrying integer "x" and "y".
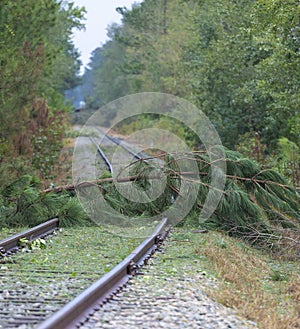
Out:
{"x": 237, "y": 61}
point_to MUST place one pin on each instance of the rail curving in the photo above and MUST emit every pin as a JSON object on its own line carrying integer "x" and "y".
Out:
{"x": 103, "y": 156}
{"x": 118, "y": 142}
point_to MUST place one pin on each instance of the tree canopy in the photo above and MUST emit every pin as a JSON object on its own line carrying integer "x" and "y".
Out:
{"x": 238, "y": 61}
{"x": 38, "y": 61}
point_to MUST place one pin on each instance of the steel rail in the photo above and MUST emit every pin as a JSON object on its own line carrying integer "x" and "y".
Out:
{"x": 77, "y": 311}
{"x": 11, "y": 244}
{"x": 119, "y": 143}
{"x": 104, "y": 157}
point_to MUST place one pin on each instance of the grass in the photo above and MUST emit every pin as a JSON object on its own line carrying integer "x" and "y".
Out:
{"x": 76, "y": 250}
{"x": 6, "y": 232}
{"x": 263, "y": 289}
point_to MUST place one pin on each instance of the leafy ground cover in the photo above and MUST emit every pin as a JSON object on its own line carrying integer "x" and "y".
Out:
{"x": 260, "y": 287}
{"x": 73, "y": 251}
{"x": 51, "y": 272}
{"x": 6, "y": 232}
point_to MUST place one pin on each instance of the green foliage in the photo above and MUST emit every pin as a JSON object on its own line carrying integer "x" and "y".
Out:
{"x": 163, "y": 122}
{"x": 133, "y": 209}
{"x": 37, "y": 62}
{"x": 251, "y": 146}
{"x": 104, "y": 83}
{"x": 255, "y": 204}
{"x": 46, "y": 140}
{"x": 277, "y": 275}
{"x": 289, "y": 149}
{"x": 288, "y": 161}
{"x": 32, "y": 245}
{"x": 70, "y": 212}
{"x": 276, "y": 26}
{"x": 22, "y": 204}
{"x": 238, "y": 61}
{"x": 250, "y": 200}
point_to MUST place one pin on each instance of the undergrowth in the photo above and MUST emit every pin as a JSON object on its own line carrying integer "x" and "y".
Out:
{"x": 263, "y": 289}
{"x": 260, "y": 287}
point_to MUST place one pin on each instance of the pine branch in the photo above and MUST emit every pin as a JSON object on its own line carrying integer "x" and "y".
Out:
{"x": 175, "y": 175}
{"x": 270, "y": 238}
{"x": 256, "y": 181}
{"x": 70, "y": 187}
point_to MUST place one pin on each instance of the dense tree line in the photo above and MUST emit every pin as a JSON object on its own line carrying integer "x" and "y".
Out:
{"x": 38, "y": 61}
{"x": 238, "y": 61}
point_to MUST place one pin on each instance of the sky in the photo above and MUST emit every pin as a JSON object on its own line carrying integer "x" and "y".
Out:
{"x": 100, "y": 14}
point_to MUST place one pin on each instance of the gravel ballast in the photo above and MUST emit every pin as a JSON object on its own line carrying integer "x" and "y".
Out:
{"x": 167, "y": 295}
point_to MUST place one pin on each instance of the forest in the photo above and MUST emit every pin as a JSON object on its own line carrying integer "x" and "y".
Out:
{"x": 237, "y": 61}
{"x": 38, "y": 62}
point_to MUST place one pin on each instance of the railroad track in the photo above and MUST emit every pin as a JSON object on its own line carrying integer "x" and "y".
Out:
{"x": 13, "y": 244}
{"x": 131, "y": 149}
{"x": 25, "y": 294}
{"x": 120, "y": 143}
{"x": 78, "y": 310}
{"x": 83, "y": 167}
{"x": 29, "y": 297}
{"x": 102, "y": 154}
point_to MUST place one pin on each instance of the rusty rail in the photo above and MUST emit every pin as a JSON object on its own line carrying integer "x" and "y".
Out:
{"x": 119, "y": 143}
{"x": 104, "y": 157}
{"x": 77, "y": 311}
{"x": 11, "y": 244}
